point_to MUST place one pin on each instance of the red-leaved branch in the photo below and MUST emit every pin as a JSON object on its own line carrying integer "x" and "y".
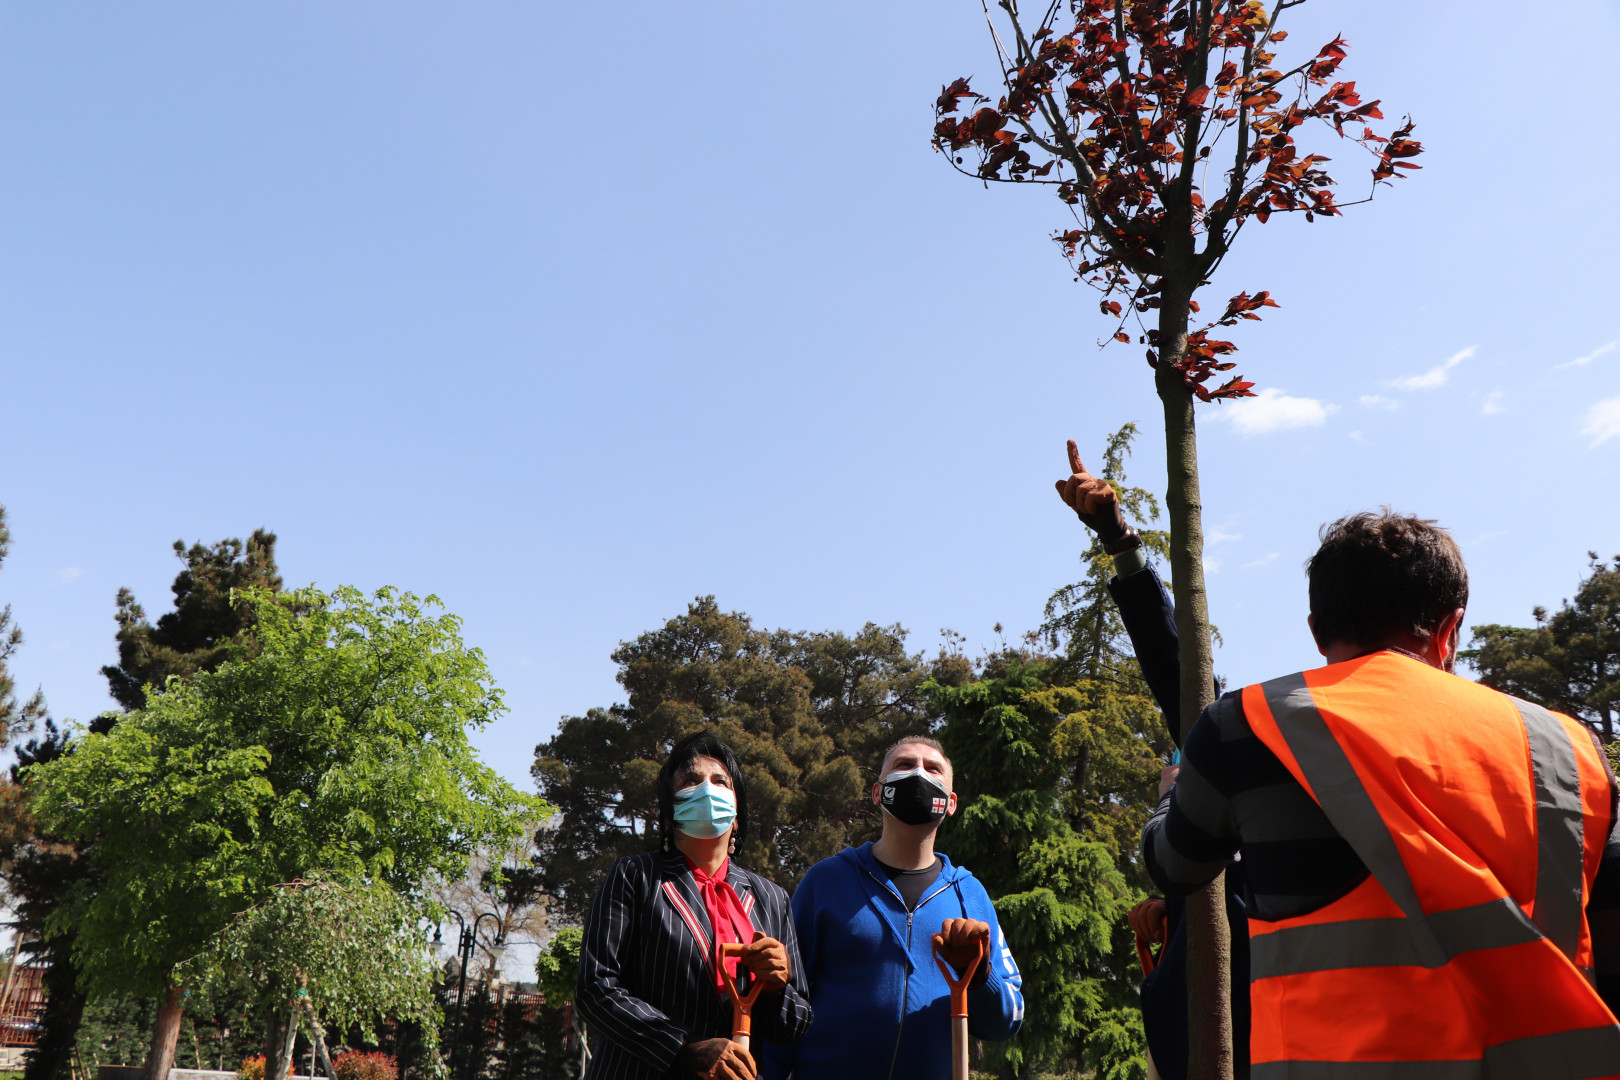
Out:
{"x": 1165, "y": 126}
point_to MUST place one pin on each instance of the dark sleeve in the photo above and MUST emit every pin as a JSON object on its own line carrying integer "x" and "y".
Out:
{"x": 783, "y": 1016}
{"x": 1192, "y": 835}
{"x": 1603, "y": 905}
{"x": 600, "y": 994}
{"x": 1150, "y": 619}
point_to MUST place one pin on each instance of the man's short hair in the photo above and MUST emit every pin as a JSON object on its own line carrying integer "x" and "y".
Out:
{"x": 926, "y": 740}
{"x": 1378, "y": 573}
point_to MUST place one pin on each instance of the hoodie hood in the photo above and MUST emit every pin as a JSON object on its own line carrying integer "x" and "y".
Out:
{"x": 863, "y": 858}
{"x": 882, "y": 1006}
{"x": 884, "y": 900}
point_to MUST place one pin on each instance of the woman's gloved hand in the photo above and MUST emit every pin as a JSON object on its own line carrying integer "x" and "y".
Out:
{"x": 767, "y": 958}
{"x": 718, "y": 1059}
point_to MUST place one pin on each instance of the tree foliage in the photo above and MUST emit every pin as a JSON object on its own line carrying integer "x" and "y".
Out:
{"x": 1127, "y": 108}
{"x": 340, "y": 747}
{"x": 205, "y": 627}
{"x": 556, "y": 967}
{"x": 356, "y": 949}
{"x": 16, "y": 717}
{"x": 40, "y": 870}
{"x": 1570, "y": 660}
{"x": 806, "y": 713}
{"x": 1056, "y": 782}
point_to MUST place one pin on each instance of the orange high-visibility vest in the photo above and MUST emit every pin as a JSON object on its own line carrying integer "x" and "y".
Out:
{"x": 1465, "y": 954}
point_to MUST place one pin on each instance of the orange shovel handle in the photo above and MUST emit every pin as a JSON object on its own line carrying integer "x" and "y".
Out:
{"x": 959, "y": 987}
{"x": 741, "y": 1004}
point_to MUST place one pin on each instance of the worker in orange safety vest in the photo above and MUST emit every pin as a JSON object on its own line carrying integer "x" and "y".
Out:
{"x": 1433, "y": 869}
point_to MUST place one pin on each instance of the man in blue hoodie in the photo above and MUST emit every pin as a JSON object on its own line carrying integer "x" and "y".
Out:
{"x": 868, "y": 919}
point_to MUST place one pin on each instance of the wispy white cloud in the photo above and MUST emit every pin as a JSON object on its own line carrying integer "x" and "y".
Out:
{"x": 1272, "y": 410}
{"x": 1603, "y": 421}
{"x": 70, "y": 573}
{"x": 1435, "y": 376}
{"x": 1582, "y": 361}
{"x": 1493, "y": 404}
{"x": 1373, "y": 401}
{"x": 1357, "y": 436}
{"x": 1211, "y": 566}
{"x": 1218, "y": 534}
{"x": 1270, "y": 557}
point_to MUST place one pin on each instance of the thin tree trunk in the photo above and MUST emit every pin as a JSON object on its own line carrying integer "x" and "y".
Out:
{"x": 1209, "y": 944}
{"x": 279, "y": 1045}
{"x": 317, "y": 1033}
{"x": 165, "y": 1034}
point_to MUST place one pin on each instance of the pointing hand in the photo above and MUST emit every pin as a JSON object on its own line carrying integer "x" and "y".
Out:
{"x": 1093, "y": 500}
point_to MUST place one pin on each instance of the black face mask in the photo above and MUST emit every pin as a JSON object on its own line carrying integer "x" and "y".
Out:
{"x": 914, "y": 797}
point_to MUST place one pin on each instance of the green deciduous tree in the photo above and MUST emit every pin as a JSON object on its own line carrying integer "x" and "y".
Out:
{"x": 556, "y": 967}
{"x": 343, "y": 954}
{"x": 807, "y": 714}
{"x": 1570, "y": 660}
{"x": 40, "y": 869}
{"x": 338, "y": 746}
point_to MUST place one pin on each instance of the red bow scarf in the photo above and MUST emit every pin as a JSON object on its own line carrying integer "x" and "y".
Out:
{"x": 726, "y": 915}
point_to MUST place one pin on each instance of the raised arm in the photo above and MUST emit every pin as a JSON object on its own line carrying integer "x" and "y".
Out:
{"x": 1143, "y": 601}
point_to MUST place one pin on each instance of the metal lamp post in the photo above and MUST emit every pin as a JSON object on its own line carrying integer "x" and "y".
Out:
{"x": 468, "y": 943}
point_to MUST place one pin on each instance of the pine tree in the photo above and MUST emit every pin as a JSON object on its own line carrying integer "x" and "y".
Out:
{"x": 204, "y": 627}
{"x": 16, "y": 718}
{"x": 1570, "y": 660}
{"x": 1051, "y": 841}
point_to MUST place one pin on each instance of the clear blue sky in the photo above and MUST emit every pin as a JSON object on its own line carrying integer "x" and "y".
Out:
{"x": 571, "y": 313}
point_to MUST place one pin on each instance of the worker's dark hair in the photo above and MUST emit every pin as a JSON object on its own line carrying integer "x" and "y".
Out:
{"x": 1383, "y": 572}
{"x": 696, "y": 745}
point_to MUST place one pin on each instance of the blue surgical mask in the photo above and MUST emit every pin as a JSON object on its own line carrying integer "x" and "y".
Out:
{"x": 705, "y": 810}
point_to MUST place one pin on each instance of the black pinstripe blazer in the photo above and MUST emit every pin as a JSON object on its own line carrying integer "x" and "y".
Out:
{"x": 646, "y": 967}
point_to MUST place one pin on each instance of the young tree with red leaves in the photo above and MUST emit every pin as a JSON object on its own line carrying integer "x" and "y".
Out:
{"x": 1165, "y": 126}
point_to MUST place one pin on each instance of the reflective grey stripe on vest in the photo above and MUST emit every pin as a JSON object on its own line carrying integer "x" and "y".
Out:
{"x": 1560, "y": 843}
{"x": 1567, "y": 1055}
{"x": 1423, "y": 940}
{"x": 1349, "y": 809}
{"x": 1352, "y": 943}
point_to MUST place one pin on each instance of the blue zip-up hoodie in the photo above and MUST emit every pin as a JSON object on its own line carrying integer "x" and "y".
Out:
{"x": 882, "y": 1008}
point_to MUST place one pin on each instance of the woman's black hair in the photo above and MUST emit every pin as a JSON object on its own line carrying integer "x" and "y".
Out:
{"x": 696, "y": 745}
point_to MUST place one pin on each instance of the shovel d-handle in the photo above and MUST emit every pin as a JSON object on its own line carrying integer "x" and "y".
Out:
{"x": 959, "y": 1006}
{"x": 741, "y": 1004}
{"x": 959, "y": 987}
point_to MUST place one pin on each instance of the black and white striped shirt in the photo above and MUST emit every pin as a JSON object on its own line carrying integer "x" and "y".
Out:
{"x": 646, "y": 967}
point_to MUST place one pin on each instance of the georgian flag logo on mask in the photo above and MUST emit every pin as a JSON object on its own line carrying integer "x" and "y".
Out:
{"x": 914, "y": 797}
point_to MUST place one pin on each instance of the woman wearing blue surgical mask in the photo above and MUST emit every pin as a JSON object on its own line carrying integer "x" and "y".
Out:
{"x": 650, "y": 987}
